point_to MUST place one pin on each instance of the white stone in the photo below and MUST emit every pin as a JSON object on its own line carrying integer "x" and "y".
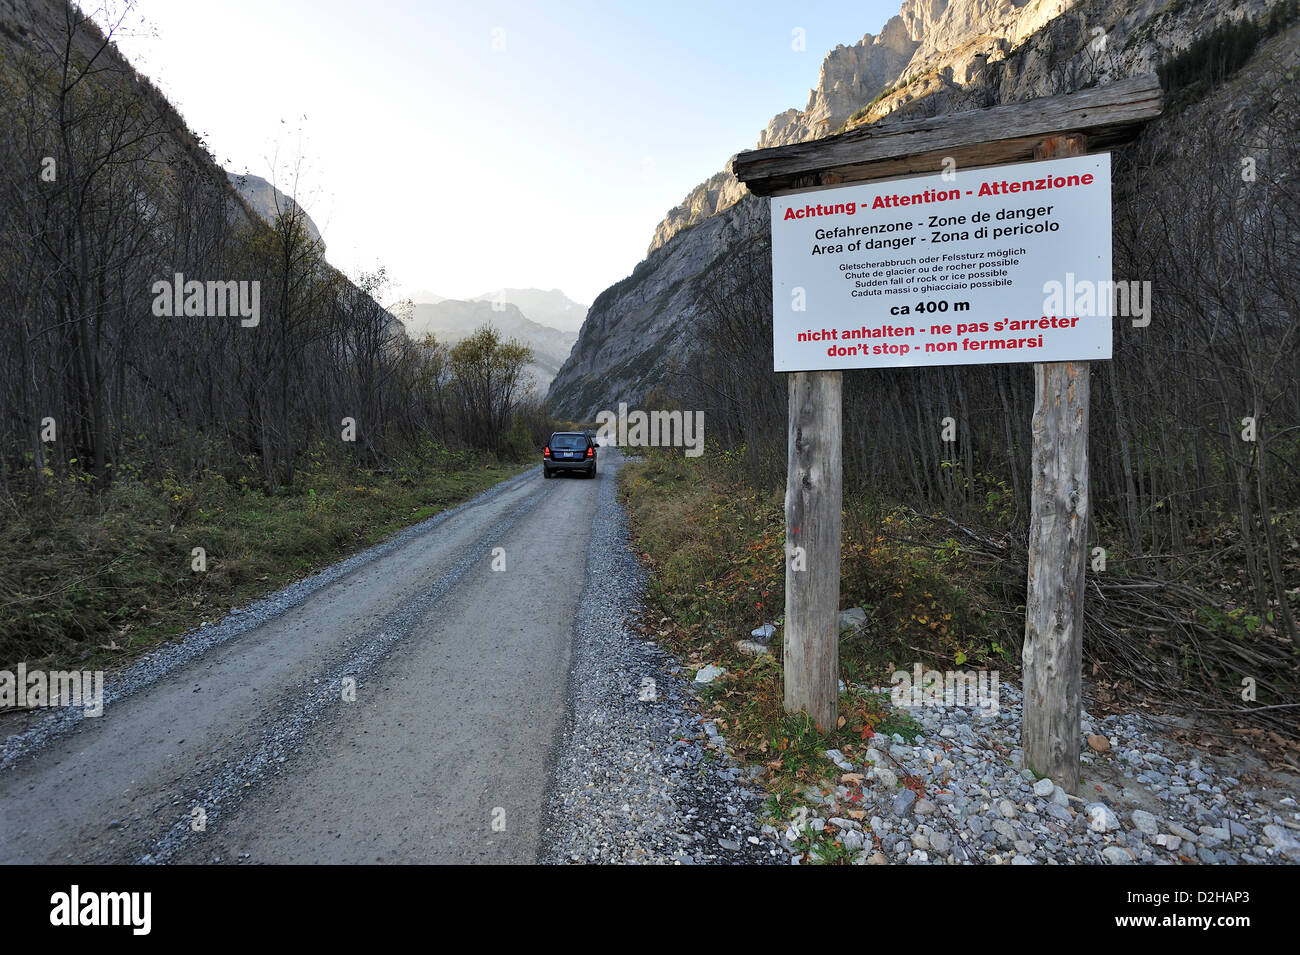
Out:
{"x": 1100, "y": 817}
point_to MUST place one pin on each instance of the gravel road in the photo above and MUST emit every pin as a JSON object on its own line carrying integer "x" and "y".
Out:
{"x": 410, "y": 704}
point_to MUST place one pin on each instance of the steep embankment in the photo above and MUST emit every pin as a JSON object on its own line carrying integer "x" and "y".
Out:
{"x": 935, "y": 57}
{"x": 34, "y": 31}
{"x": 34, "y": 28}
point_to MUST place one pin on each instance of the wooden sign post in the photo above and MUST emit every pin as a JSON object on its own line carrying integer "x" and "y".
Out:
{"x": 812, "y": 533}
{"x": 1052, "y": 655}
{"x": 1052, "y": 128}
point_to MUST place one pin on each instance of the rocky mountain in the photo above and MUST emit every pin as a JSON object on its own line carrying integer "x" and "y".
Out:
{"x": 268, "y": 201}
{"x": 635, "y": 328}
{"x": 451, "y": 320}
{"x": 936, "y": 56}
{"x": 850, "y": 74}
{"x": 941, "y": 55}
{"x": 708, "y": 198}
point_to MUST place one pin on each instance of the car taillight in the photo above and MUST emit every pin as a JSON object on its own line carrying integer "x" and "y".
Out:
{"x": 590, "y": 453}
{"x": 546, "y": 452}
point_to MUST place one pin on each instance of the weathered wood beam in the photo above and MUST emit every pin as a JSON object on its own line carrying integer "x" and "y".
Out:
{"x": 813, "y": 494}
{"x": 1109, "y": 115}
{"x": 1052, "y": 655}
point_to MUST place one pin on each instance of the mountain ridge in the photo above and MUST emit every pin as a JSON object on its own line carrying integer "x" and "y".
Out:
{"x": 550, "y": 307}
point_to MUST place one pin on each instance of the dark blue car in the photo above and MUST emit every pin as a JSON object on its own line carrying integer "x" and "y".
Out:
{"x": 569, "y": 451}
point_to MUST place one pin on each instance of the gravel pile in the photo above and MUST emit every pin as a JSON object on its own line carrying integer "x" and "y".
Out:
{"x": 957, "y": 794}
{"x": 640, "y": 778}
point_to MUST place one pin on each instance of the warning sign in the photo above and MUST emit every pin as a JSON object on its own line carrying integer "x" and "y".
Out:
{"x": 999, "y": 264}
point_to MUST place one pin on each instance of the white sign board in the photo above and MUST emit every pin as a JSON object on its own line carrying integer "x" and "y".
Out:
{"x": 998, "y": 264}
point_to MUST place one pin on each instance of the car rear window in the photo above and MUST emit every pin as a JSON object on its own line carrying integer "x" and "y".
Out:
{"x": 568, "y": 442}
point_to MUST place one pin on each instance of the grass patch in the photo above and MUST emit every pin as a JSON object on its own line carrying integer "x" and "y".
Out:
{"x": 91, "y": 580}
{"x": 715, "y": 548}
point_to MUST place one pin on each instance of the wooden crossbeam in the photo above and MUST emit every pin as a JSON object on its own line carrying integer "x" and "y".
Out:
{"x": 1108, "y": 115}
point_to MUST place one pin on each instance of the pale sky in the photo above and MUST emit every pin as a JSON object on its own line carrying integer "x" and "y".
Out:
{"x": 470, "y": 146}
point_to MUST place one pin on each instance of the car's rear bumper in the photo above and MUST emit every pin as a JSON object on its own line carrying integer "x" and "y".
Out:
{"x": 576, "y": 464}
